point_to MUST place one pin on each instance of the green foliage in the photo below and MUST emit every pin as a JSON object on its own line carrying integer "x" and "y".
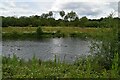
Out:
{"x": 83, "y": 21}
{"x": 15, "y": 35}
{"x": 93, "y": 24}
{"x": 0, "y": 66}
{"x": 115, "y": 66}
{"x": 71, "y": 16}
{"x": 39, "y": 32}
{"x": 50, "y": 13}
{"x": 68, "y": 19}
{"x": 80, "y": 35}
{"x": 82, "y": 68}
{"x": 62, "y": 14}
{"x": 58, "y": 34}
{"x": 106, "y": 45}
{"x": 48, "y": 32}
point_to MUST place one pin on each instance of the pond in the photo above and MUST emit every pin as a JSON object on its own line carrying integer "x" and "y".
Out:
{"x": 66, "y": 49}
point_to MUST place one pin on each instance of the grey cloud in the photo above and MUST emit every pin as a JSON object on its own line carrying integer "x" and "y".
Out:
{"x": 76, "y": 5}
{"x": 3, "y": 9}
{"x": 82, "y": 8}
{"x": 72, "y": 5}
{"x": 119, "y": 7}
{"x": 9, "y": 4}
{"x": 89, "y": 8}
{"x": 114, "y": 5}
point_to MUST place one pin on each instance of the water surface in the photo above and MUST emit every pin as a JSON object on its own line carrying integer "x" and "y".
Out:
{"x": 67, "y": 49}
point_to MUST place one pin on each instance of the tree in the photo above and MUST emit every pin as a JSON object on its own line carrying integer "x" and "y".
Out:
{"x": 39, "y": 32}
{"x": 37, "y": 17}
{"x": 62, "y": 14}
{"x": 44, "y": 15}
{"x": 50, "y": 14}
{"x": 66, "y": 18}
{"x": 83, "y": 21}
{"x": 72, "y": 16}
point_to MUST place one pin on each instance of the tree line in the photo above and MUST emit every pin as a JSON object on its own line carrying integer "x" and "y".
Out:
{"x": 47, "y": 19}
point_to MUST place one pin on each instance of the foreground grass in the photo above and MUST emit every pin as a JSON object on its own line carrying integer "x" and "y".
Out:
{"x": 83, "y": 68}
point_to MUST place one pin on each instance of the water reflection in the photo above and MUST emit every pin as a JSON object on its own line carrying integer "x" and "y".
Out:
{"x": 67, "y": 49}
{"x": 57, "y": 45}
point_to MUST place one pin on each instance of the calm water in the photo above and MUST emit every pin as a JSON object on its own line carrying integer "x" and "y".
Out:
{"x": 67, "y": 49}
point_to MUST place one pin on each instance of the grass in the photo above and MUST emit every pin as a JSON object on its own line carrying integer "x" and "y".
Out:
{"x": 55, "y": 32}
{"x": 52, "y": 29}
{"x": 0, "y": 66}
{"x": 89, "y": 67}
{"x": 82, "y": 68}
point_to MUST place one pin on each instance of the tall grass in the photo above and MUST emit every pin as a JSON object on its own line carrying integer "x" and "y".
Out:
{"x": 87, "y": 68}
{"x": 102, "y": 63}
{"x": 26, "y": 32}
{"x": 0, "y": 66}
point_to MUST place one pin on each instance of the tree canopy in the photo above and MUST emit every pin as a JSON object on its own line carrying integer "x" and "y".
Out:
{"x": 47, "y": 19}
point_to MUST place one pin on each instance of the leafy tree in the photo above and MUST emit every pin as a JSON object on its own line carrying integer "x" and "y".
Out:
{"x": 95, "y": 24}
{"x": 39, "y": 32}
{"x": 36, "y": 16}
{"x": 62, "y": 14}
{"x": 44, "y": 15}
{"x": 46, "y": 19}
{"x": 71, "y": 16}
{"x": 50, "y": 14}
{"x": 83, "y": 21}
{"x": 66, "y": 18}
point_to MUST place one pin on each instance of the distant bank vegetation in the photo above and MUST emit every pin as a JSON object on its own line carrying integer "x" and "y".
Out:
{"x": 70, "y": 19}
{"x": 51, "y": 32}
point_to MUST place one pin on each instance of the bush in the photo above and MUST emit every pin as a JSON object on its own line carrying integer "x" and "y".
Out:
{"x": 106, "y": 45}
{"x": 15, "y": 35}
{"x": 59, "y": 34}
{"x": 39, "y": 32}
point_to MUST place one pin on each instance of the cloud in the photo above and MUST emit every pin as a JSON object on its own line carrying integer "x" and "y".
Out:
{"x": 12, "y": 8}
{"x": 119, "y": 9}
{"x": 23, "y": 8}
{"x": 27, "y": 0}
{"x": 91, "y": 9}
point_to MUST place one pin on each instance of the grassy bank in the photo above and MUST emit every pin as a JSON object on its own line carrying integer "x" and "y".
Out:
{"x": 51, "y": 29}
{"x": 30, "y": 32}
{"x": 82, "y": 68}
{"x": 102, "y": 64}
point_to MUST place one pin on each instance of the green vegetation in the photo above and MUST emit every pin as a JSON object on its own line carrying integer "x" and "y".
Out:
{"x": 47, "y": 32}
{"x": 83, "y": 68}
{"x": 69, "y": 19}
{"x": 52, "y": 29}
{"x": 103, "y": 62}
{"x": 39, "y": 32}
{"x": 0, "y": 66}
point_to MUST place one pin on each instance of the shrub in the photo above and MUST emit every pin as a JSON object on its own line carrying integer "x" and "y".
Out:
{"x": 59, "y": 34}
{"x": 15, "y": 35}
{"x": 106, "y": 45}
{"x": 39, "y": 32}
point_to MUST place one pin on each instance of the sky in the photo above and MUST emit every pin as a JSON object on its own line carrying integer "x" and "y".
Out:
{"x": 90, "y": 8}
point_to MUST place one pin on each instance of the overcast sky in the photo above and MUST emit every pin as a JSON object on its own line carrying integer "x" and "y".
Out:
{"x": 89, "y": 8}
